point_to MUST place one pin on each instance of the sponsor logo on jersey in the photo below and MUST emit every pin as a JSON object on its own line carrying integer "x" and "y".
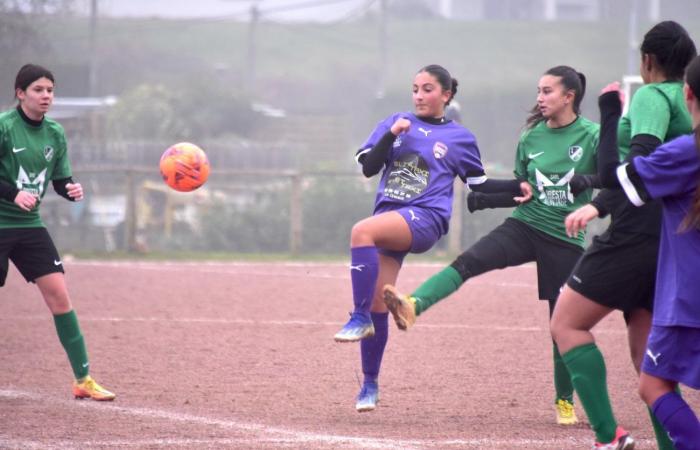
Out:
{"x": 17, "y": 150}
{"x": 439, "y": 150}
{"x": 575, "y": 152}
{"x": 554, "y": 190}
{"x": 48, "y": 152}
{"x": 408, "y": 177}
{"x": 424, "y": 131}
{"x": 32, "y": 183}
{"x": 534, "y": 155}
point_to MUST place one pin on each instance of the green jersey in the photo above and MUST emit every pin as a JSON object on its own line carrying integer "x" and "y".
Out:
{"x": 657, "y": 109}
{"x": 30, "y": 157}
{"x": 548, "y": 158}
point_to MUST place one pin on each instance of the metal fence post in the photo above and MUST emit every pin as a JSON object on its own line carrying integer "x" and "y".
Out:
{"x": 130, "y": 213}
{"x": 295, "y": 215}
{"x": 454, "y": 242}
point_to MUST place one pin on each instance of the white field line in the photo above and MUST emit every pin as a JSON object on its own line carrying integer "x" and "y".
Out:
{"x": 233, "y": 269}
{"x": 259, "y": 433}
{"x": 297, "y": 264}
{"x": 295, "y": 323}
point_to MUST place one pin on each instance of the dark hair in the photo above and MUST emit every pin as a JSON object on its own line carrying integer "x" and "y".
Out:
{"x": 671, "y": 47}
{"x": 572, "y": 81}
{"x": 28, "y": 74}
{"x": 692, "y": 78}
{"x": 444, "y": 78}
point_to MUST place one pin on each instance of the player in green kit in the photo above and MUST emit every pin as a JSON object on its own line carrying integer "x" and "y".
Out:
{"x": 556, "y": 152}
{"x": 618, "y": 271}
{"x": 33, "y": 153}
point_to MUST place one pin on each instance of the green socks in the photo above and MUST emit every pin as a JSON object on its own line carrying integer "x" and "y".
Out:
{"x": 437, "y": 287}
{"x": 588, "y": 374}
{"x": 72, "y": 341}
{"x": 562, "y": 379}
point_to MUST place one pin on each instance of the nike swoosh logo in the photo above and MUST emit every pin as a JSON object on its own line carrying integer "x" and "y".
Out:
{"x": 17, "y": 150}
{"x": 57, "y": 263}
{"x": 534, "y": 155}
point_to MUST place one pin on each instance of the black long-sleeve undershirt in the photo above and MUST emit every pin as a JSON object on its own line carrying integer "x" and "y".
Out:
{"x": 608, "y": 159}
{"x": 60, "y": 187}
{"x": 373, "y": 160}
{"x": 608, "y": 155}
{"x": 8, "y": 191}
{"x": 493, "y": 186}
{"x": 477, "y": 201}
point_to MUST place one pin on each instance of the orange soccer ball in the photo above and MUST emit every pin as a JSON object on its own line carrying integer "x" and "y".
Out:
{"x": 184, "y": 167}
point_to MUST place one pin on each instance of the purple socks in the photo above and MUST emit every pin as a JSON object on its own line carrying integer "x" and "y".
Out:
{"x": 372, "y": 348}
{"x": 679, "y": 420}
{"x": 364, "y": 268}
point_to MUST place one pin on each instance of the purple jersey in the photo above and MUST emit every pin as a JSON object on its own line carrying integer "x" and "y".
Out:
{"x": 422, "y": 165}
{"x": 671, "y": 173}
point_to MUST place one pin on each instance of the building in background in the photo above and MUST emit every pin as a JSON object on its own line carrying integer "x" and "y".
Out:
{"x": 575, "y": 10}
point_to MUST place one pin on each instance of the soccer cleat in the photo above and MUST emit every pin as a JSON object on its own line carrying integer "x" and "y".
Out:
{"x": 368, "y": 397}
{"x": 566, "y": 415}
{"x": 88, "y": 388}
{"x": 357, "y": 328}
{"x": 401, "y": 307}
{"x": 622, "y": 441}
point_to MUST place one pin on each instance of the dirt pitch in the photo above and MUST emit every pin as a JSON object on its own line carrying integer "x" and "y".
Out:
{"x": 241, "y": 355}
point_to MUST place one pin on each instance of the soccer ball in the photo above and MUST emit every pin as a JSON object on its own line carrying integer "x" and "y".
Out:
{"x": 184, "y": 167}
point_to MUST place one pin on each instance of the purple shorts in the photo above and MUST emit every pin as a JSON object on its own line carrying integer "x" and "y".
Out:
{"x": 425, "y": 231}
{"x": 673, "y": 353}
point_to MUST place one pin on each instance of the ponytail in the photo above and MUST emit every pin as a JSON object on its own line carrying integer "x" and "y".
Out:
{"x": 692, "y": 78}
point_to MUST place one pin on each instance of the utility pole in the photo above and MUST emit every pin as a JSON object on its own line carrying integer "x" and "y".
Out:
{"x": 92, "y": 70}
{"x": 382, "y": 49}
{"x": 633, "y": 49}
{"x": 252, "y": 49}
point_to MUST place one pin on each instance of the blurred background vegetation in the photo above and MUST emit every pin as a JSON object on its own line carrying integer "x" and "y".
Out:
{"x": 299, "y": 97}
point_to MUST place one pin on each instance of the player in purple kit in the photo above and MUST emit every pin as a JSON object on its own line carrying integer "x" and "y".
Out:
{"x": 420, "y": 153}
{"x": 672, "y": 174}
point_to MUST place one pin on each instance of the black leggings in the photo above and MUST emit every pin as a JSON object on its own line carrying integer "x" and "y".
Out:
{"x": 514, "y": 243}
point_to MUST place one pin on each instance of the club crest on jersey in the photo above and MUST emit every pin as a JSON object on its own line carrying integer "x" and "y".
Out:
{"x": 48, "y": 152}
{"x": 575, "y": 152}
{"x": 439, "y": 150}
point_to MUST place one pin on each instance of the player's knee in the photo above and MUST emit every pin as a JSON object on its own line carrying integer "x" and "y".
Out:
{"x": 360, "y": 235}
{"x": 57, "y": 300}
{"x": 644, "y": 391}
{"x": 557, "y": 330}
{"x": 466, "y": 265}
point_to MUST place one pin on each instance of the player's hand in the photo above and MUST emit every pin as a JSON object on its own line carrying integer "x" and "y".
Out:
{"x": 614, "y": 87}
{"x": 401, "y": 126}
{"x": 25, "y": 200}
{"x": 526, "y": 190}
{"x": 75, "y": 191}
{"x": 577, "y": 220}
